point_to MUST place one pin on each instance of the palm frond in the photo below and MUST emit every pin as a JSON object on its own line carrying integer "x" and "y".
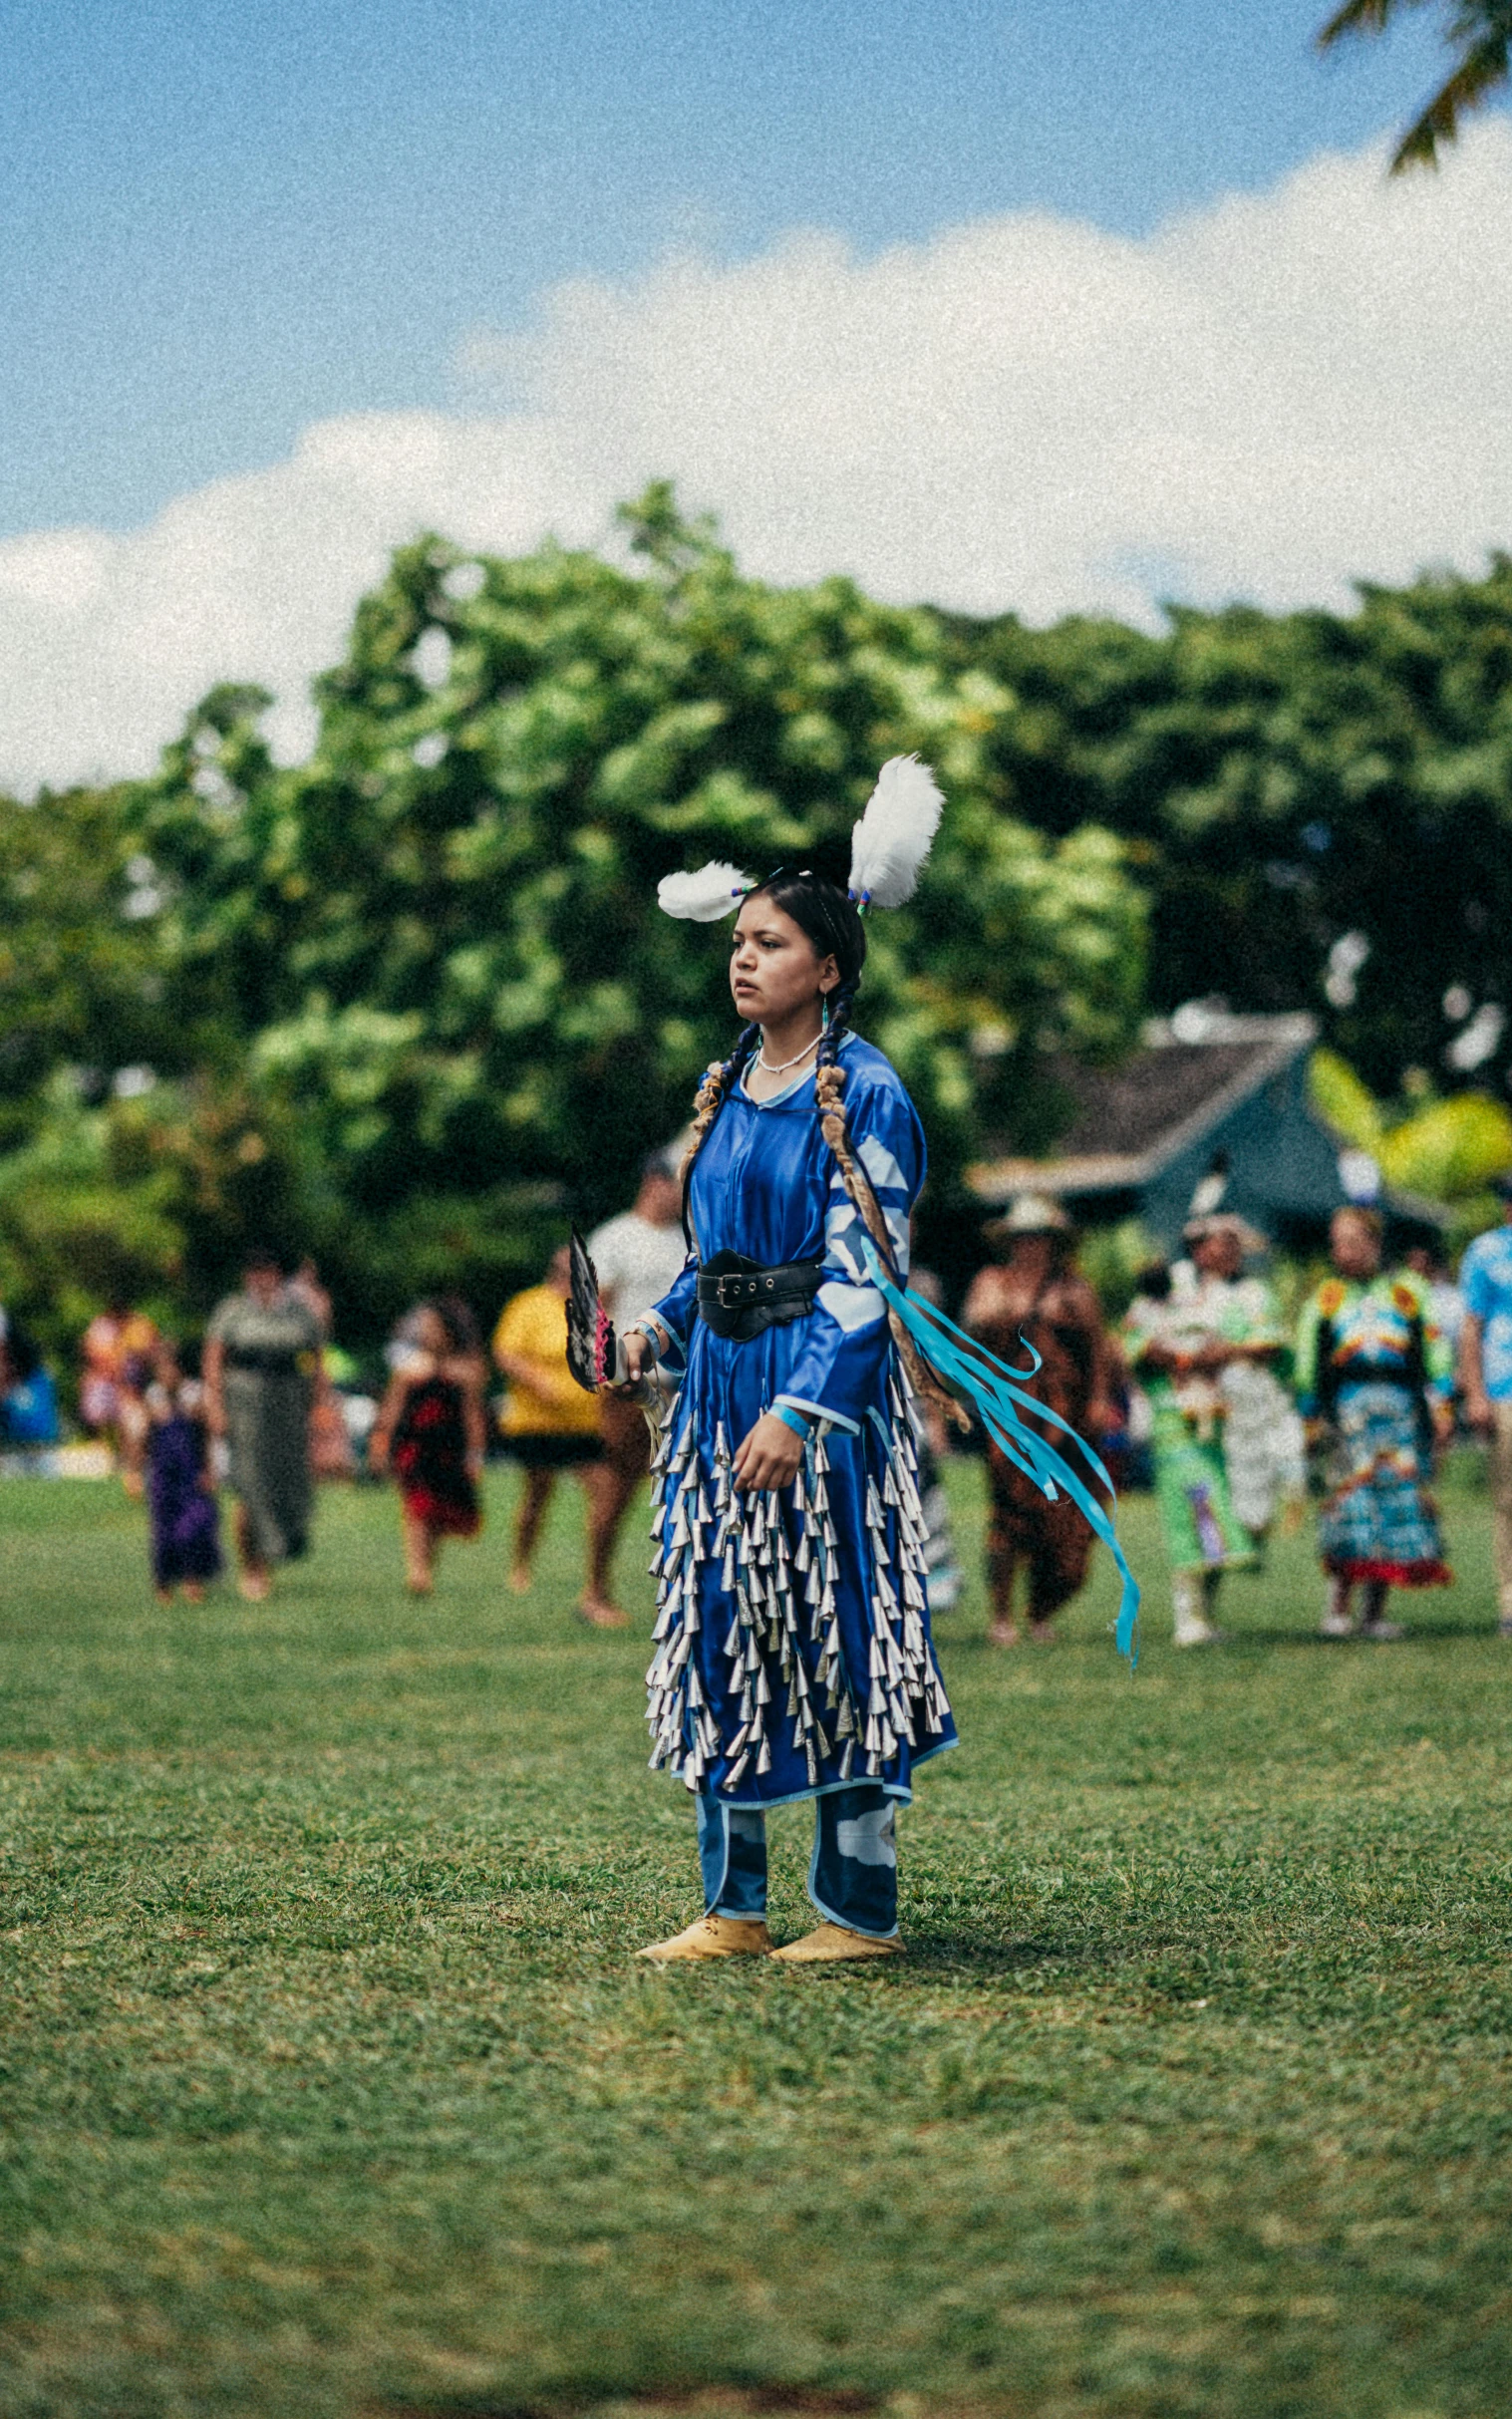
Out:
{"x": 1360, "y": 16}
{"x": 1480, "y": 30}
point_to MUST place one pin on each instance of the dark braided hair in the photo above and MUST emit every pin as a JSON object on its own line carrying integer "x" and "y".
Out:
{"x": 720, "y": 1080}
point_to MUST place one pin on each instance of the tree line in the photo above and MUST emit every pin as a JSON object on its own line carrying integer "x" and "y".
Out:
{"x": 410, "y": 1002}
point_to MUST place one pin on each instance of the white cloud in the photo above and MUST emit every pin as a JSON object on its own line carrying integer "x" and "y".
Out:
{"x": 1267, "y": 398}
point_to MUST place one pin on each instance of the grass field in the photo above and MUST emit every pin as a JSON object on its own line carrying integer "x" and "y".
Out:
{"x": 330, "y": 2086}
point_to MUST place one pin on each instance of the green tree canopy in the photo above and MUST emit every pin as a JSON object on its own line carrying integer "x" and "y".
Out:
{"x": 81, "y": 973}
{"x": 442, "y": 935}
{"x": 1321, "y": 805}
{"x": 410, "y": 1002}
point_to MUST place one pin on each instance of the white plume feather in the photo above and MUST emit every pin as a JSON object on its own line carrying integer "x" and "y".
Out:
{"x": 892, "y": 839}
{"x": 716, "y": 890}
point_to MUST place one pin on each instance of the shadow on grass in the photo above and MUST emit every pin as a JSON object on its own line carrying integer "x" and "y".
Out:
{"x": 1449, "y": 1629}
{"x": 676, "y": 2401}
{"x": 931, "y": 1952}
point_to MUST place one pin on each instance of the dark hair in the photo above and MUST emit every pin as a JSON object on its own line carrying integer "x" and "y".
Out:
{"x": 1154, "y": 1281}
{"x": 821, "y": 909}
{"x": 21, "y": 1350}
{"x": 456, "y": 1318}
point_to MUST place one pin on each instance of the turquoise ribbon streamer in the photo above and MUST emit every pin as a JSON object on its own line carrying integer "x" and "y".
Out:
{"x": 977, "y": 1372}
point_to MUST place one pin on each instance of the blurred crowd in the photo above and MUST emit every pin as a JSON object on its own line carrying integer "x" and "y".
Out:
{"x": 1353, "y": 1406}
{"x": 1237, "y": 1418}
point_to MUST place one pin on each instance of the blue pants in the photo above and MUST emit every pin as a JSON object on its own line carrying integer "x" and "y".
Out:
{"x": 853, "y": 1874}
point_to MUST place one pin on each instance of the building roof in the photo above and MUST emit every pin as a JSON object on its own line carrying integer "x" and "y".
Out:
{"x": 1132, "y": 1120}
{"x": 1147, "y": 1127}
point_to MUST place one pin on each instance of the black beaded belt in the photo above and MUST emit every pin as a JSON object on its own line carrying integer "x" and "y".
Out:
{"x": 1374, "y": 1373}
{"x": 740, "y": 1298}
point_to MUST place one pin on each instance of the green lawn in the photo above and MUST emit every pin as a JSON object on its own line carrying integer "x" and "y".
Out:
{"x": 330, "y": 2086}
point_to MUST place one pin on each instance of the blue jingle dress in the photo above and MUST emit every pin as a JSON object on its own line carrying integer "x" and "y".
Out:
{"x": 794, "y": 1655}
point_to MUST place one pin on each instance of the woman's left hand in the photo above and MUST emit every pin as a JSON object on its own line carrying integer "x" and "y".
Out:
{"x": 771, "y": 1456}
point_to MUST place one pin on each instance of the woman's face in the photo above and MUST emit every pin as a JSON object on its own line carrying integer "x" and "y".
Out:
{"x": 1220, "y": 1255}
{"x": 775, "y": 967}
{"x": 431, "y": 1334}
{"x": 1355, "y": 1251}
{"x": 264, "y": 1283}
{"x": 1032, "y": 1257}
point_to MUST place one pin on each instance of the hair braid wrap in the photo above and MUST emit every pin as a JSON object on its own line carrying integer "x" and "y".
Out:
{"x": 720, "y": 1080}
{"x": 828, "y": 1087}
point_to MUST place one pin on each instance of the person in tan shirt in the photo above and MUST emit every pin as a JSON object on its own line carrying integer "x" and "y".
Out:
{"x": 637, "y": 1258}
{"x": 549, "y": 1423}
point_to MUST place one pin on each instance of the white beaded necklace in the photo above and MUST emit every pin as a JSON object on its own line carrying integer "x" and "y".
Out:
{"x": 764, "y": 1063}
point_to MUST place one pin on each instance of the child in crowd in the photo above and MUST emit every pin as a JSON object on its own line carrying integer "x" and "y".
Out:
{"x": 180, "y": 1488}
{"x": 429, "y": 1433}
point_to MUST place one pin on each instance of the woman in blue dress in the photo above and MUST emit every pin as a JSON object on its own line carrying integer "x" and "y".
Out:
{"x": 793, "y": 1651}
{"x": 794, "y": 1654}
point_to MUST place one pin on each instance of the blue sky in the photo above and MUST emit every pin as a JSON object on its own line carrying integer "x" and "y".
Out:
{"x": 224, "y": 221}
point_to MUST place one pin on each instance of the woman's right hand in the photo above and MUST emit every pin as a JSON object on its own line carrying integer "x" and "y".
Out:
{"x": 639, "y": 1359}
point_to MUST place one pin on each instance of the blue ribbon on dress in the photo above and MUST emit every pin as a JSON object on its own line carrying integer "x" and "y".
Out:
{"x": 990, "y": 1383}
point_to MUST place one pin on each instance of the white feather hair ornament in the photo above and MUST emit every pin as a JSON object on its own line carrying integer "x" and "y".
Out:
{"x": 892, "y": 839}
{"x": 716, "y": 890}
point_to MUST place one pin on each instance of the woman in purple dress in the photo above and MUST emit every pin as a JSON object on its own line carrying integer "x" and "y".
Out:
{"x": 180, "y": 1489}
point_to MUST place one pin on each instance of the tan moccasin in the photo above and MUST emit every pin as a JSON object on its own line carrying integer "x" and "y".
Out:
{"x": 832, "y": 1941}
{"x": 712, "y": 1936}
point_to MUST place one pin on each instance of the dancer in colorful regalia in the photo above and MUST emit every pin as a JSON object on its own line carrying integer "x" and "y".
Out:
{"x": 1177, "y": 1343}
{"x": 1374, "y": 1376}
{"x": 793, "y": 1653}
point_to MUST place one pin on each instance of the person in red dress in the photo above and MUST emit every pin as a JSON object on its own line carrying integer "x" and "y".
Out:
{"x": 429, "y": 1433}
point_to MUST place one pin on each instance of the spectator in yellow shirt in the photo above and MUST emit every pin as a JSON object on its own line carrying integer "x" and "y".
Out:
{"x": 549, "y": 1423}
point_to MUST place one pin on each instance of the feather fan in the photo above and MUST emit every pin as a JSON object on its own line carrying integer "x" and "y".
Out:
{"x": 892, "y": 839}
{"x": 716, "y": 890}
{"x": 591, "y": 1344}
